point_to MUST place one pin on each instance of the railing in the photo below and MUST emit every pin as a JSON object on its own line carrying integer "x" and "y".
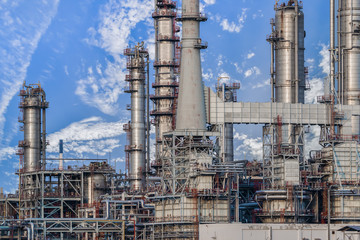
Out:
{"x": 325, "y": 98}
{"x": 164, "y": 13}
{"x": 171, "y": 84}
{"x": 167, "y": 2}
{"x": 167, "y": 38}
{"x": 165, "y": 63}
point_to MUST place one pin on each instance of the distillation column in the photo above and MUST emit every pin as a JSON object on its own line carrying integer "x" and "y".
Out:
{"x": 288, "y": 83}
{"x": 283, "y": 147}
{"x": 137, "y": 59}
{"x": 166, "y": 68}
{"x": 349, "y": 56}
{"x": 33, "y": 148}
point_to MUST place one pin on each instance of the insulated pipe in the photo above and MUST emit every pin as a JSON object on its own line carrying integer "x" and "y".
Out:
{"x": 191, "y": 104}
{"x": 332, "y": 47}
{"x": 296, "y": 51}
{"x": 61, "y": 153}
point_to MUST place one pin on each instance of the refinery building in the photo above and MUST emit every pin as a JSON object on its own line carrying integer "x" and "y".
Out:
{"x": 195, "y": 188}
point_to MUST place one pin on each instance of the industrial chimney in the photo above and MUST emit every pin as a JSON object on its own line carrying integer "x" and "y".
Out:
{"x": 191, "y": 105}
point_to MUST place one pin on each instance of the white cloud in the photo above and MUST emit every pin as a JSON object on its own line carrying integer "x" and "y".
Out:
{"x": 210, "y": 2}
{"x": 261, "y": 84}
{"x": 252, "y": 71}
{"x": 234, "y": 26}
{"x": 325, "y": 59}
{"x": 258, "y": 14}
{"x": 312, "y": 140}
{"x": 7, "y": 153}
{"x": 238, "y": 69}
{"x": 102, "y": 89}
{"x": 220, "y": 60}
{"x": 89, "y": 136}
{"x": 250, "y": 55}
{"x": 118, "y": 19}
{"x": 316, "y": 83}
{"x": 316, "y": 89}
{"x": 249, "y": 146}
{"x": 208, "y": 75}
{"x": 19, "y": 38}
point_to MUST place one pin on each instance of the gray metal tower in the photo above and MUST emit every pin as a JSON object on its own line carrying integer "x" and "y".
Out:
{"x": 283, "y": 143}
{"x": 167, "y": 54}
{"x": 349, "y": 58}
{"x": 32, "y": 151}
{"x": 137, "y": 61}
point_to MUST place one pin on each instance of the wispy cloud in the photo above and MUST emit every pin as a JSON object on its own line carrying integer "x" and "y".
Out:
{"x": 118, "y": 19}
{"x": 19, "y": 38}
{"x": 325, "y": 59}
{"x": 89, "y": 136}
{"x": 252, "y": 71}
{"x": 250, "y": 55}
{"x": 317, "y": 82}
{"x": 231, "y": 26}
{"x": 251, "y": 147}
{"x": 261, "y": 84}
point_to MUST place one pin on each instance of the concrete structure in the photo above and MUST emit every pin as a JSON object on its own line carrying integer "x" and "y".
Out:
{"x": 191, "y": 106}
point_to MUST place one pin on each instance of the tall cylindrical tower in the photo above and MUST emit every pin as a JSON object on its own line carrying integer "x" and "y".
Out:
{"x": 349, "y": 56}
{"x": 166, "y": 69}
{"x": 283, "y": 153}
{"x": 191, "y": 105}
{"x": 289, "y": 54}
{"x": 137, "y": 165}
{"x": 32, "y": 150}
{"x": 33, "y": 104}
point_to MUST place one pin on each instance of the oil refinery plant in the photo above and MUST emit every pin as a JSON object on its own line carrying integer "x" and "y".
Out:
{"x": 194, "y": 188}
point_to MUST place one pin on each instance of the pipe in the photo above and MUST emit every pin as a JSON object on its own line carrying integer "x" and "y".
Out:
{"x": 332, "y": 47}
{"x": 340, "y": 70}
{"x": 296, "y": 51}
{"x": 43, "y": 97}
{"x": 272, "y": 71}
{"x": 61, "y": 153}
{"x": 147, "y": 117}
{"x": 107, "y": 209}
{"x": 28, "y": 233}
{"x": 142, "y": 203}
{"x": 32, "y": 231}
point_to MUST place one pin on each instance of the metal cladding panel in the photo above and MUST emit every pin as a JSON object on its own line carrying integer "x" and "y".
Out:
{"x": 191, "y": 107}
{"x": 32, "y": 135}
{"x": 219, "y": 112}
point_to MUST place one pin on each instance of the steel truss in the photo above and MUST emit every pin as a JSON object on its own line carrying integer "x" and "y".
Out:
{"x": 180, "y": 165}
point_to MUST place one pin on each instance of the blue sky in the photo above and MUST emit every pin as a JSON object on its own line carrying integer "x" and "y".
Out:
{"x": 74, "y": 49}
